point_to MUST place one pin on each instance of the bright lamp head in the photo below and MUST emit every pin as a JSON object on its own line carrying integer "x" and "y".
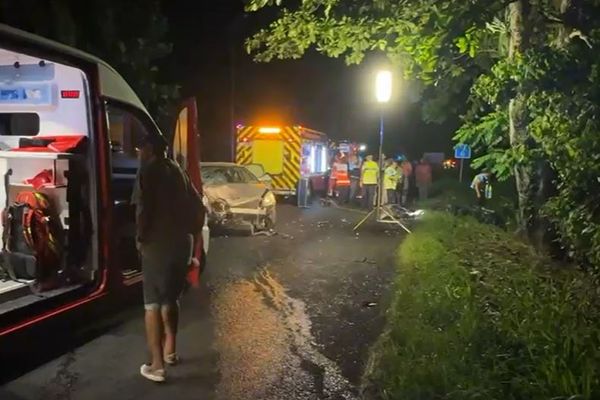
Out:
{"x": 383, "y": 86}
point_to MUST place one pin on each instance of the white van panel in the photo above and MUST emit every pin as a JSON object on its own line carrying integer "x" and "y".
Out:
{"x": 111, "y": 83}
{"x": 58, "y": 116}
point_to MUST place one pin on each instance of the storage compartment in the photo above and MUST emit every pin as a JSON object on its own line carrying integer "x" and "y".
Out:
{"x": 47, "y": 249}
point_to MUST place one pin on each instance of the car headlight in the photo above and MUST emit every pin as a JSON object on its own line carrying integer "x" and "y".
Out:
{"x": 268, "y": 199}
{"x": 220, "y": 207}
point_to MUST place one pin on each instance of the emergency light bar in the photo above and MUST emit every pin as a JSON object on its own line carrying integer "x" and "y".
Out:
{"x": 269, "y": 130}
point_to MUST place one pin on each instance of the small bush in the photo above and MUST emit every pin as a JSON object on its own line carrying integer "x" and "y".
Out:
{"x": 477, "y": 315}
{"x": 448, "y": 191}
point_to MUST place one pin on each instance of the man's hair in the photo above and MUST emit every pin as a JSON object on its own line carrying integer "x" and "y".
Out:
{"x": 158, "y": 143}
{"x": 159, "y": 149}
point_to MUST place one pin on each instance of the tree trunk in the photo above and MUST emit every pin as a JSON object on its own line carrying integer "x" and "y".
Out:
{"x": 535, "y": 178}
{"x": 517, "y": 112}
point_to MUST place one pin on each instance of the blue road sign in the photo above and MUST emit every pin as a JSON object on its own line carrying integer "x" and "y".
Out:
{"x": 462, "y": 151}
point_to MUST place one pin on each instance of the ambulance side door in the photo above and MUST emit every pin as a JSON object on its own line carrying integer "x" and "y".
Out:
{"x": 186, "y": 152}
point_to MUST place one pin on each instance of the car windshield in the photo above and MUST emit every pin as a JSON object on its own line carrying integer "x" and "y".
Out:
{"x": 256, "y": 170}
{"x": 220, "y": 175}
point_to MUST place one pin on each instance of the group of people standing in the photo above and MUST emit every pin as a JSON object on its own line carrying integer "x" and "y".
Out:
{"x": 399, "y": 179}
{"x": 350, "y": 180}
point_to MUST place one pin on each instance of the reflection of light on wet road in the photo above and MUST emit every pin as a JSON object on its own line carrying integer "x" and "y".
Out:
{"x": 266, "y": 348}
{"x": 250, "y": 342}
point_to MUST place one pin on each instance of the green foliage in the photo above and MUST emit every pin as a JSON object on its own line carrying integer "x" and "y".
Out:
{"x": 562, "y": 107}
{"x": 477, "y": 315}
{"x": 446, "y": 191}
{"x": 421, "y": 37}
{"x": 568, "y": 131}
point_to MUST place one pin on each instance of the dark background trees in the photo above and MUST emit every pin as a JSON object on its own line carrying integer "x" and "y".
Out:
{"x": 177, "y": 48}
{"x": 130, "y": 35}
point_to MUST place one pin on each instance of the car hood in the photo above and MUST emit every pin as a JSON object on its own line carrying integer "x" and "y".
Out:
{"x": 238, "y": 195}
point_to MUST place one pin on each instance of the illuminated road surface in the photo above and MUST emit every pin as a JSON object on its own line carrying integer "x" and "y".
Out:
{"x": 284, "y": 317}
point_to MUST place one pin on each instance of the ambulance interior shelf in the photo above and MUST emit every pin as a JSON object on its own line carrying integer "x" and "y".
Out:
{"x": 62, "y": 177}
{"x": 25, "y": 165}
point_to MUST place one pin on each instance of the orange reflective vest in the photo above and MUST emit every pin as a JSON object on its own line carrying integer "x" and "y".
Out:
{"x": 339, "y": 172}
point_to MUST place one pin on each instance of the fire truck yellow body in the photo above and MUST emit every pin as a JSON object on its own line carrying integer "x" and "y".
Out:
{"x": 287, "y": 154}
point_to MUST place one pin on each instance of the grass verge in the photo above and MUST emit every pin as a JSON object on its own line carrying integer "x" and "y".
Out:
{"x": 477, "y": 314}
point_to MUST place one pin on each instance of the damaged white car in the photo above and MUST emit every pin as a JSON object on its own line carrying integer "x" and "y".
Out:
{"x": 237, "y": 198}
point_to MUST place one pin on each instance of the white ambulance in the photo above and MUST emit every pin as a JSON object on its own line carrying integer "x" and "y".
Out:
{"x": 69, "y": 129}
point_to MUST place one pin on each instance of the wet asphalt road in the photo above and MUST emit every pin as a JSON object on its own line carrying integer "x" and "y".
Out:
{"x": 289, "y": 317}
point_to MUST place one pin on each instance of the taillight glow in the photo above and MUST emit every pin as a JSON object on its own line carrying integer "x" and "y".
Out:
{"x": 69, "y": 94}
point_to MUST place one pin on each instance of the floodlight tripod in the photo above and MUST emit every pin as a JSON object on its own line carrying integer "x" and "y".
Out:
{"x": 382, "y": 212}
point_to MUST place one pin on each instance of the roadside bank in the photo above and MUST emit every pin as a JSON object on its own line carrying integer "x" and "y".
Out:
{"x": 476, "y": 313}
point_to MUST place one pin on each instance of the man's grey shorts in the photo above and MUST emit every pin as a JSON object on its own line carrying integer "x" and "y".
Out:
{"x": 164, "y": 269}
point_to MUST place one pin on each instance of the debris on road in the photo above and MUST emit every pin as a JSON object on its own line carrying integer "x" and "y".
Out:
{"x": 269, "y": 233}
{"x": 327, "y": 202}
{"x": 322, "y": 224}
{"x": 365, "y": 260}
{"x": 369, "y": 304}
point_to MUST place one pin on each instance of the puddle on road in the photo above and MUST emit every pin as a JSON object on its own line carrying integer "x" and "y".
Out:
{"x": 266, "y": 347}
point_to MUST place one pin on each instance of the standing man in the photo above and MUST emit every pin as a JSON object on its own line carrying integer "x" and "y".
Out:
{"x": 423, "y": 178}
{"x": 342, "y": 177}
{"x": 354, "y": 166}
{"x": 369, "y": 177}
{"x": 390, "y": 180}
{"x": 407, "y": 171}
{"x": 162, "y": 197}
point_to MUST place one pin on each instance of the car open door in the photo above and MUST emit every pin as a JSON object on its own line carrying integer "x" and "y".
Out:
{"x": 186, "y": 150}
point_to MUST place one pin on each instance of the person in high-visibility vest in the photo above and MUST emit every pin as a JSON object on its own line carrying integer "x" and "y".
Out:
{"x": 341, "y": 175}
{"x": 391, "y": 175}
{"x": 369, "y": 177}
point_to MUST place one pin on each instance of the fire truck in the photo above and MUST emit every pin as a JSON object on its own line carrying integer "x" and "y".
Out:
{"x": 287, "y": 154}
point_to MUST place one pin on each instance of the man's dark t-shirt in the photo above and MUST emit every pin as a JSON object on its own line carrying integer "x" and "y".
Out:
{"x": 163, "y": 201}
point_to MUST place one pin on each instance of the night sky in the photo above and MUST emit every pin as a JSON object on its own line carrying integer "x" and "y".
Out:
{"x": 317, "y": 92}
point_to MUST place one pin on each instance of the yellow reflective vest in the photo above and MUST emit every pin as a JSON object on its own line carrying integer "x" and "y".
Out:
{"x": 370, "y": 173}
{"x": 391, "y": 177}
